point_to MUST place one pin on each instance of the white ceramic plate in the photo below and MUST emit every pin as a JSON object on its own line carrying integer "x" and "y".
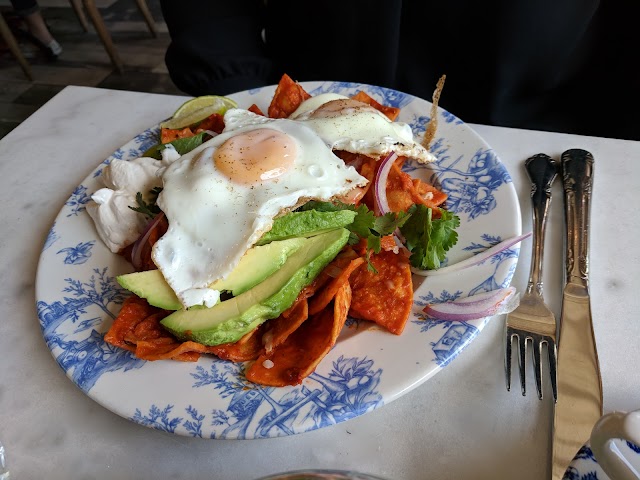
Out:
{"x": 77, "y": 298}
{"x": 585, "y": 466}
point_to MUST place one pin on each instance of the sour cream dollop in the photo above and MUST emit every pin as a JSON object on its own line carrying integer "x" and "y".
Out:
{"x": 117, "y": 224}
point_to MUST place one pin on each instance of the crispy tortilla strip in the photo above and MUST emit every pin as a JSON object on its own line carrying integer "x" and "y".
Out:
{"x": 255, "y": 109}
{"x": 430, "y": 131}
{"x": 288, "y": 97}
{"x": 279, "y": 329}
{"x": 169, "y": 135}
{"x": 366, "y": 166}
{"x": 137, "y": 329}
{"x": 390, "y": 112}
{"x": 307, "y": 292}
{"x": 385, "y": 297}
{"x": 320, "y": 300}
{"x": 367, "y": 170}
{"x": 331, "y": 271}
{"x": 149, "y": 328}
{"x": 386, "y": 243}
{"x": 300, "y": 354}
{"x": 134, "y": 311}
{"x": 246, "y": 349}
{"x": 169, "y": 349}
{"x": 404, "y": 190}
{"x": 214, "y": 122}
{"x": 433, "y": 196}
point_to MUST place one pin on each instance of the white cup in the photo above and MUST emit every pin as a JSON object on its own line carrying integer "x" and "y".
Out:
{"x": 612, "y": 428}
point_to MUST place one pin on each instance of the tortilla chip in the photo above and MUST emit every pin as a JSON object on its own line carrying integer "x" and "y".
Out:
{"x": 366, "y": 166}
{"x": 386, "y": 297}
{"x": 390, "y": 112}
{"x": 134, "y": 311}
{"x": 137, "y": 328}
{"x": 404, "y": 190}
{"x": 169, "y": 349}
{"x": 279, "y": 329}
{"x": 288, "y": 97}
{"x": 214, "y": 123}
{"x": 169, "y": 134}
{"x": 255, "y": 109}
{"x": 301, "y": 353}
{"x": 246, "y": 349}
{"x": 320, "y": 300}
{"x": 387, "y": 243}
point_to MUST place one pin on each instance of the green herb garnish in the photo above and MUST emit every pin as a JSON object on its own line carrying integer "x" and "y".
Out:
{"x": 428, "y": 239}
{"x": 365, "y": 225}
{"x": 150, "y": 209}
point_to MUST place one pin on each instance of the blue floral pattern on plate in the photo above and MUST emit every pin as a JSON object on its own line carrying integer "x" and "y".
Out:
{"x": 585, "y": 466}
{"x": 78, "y": 297}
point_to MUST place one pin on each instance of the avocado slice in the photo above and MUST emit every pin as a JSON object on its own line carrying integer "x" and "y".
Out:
{"x": 228, "y": 321}
{"x": 306, "y": 224}
{"x": 152, "y": 286}
{"x": 256, "y": 265}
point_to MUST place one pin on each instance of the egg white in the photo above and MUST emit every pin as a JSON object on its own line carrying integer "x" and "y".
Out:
{"x": 356, "y": 127}
{"x": 213, "y": 220}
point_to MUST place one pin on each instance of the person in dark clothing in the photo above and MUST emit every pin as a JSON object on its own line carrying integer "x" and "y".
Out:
{"x": 38, "y": 32}
{"x": 545, "y": 64}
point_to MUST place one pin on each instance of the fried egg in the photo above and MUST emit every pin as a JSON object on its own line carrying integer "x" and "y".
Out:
{"x": 346, "y": 124}
{"x": 356, "y": 127}
{"x": 222, "y": 197}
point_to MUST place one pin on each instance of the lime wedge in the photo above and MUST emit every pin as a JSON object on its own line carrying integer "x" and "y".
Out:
{"x": 197, "y": 109}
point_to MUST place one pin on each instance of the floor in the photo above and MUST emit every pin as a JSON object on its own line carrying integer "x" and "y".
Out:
{"x": 83, "y": 60}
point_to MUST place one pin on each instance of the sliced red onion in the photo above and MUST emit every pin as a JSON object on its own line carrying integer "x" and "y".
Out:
{"x": 475, "y": 260}
{"x": 481, "y": 305}
{"x": 380, "y": 184}
{"x": 138, "y": 246}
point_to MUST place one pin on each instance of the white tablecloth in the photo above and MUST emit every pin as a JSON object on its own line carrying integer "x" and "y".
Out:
{"x": 461, "y": 424}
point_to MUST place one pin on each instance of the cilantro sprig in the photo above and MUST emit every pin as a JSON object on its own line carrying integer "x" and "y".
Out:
{"x": 365, "y": 225}
{"x": 150, "y": 209}
{"x": 428, "y": 239}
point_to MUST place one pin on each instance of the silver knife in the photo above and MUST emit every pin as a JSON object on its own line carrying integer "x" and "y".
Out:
{"x": 579, "y": 403}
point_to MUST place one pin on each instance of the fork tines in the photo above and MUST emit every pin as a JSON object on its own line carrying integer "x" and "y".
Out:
{"x": 537, "y": 342}
{"x": 533, "y": 320}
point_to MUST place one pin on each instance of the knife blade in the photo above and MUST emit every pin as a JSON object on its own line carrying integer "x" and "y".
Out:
{"x": 579, "y": 403}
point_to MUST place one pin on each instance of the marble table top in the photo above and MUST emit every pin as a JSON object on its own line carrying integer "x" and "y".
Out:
{"x": 460, "y": 424}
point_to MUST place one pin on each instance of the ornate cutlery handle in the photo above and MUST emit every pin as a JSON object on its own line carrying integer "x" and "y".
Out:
{"x": 542, "y": 170}
{"x": 577, "y": 179}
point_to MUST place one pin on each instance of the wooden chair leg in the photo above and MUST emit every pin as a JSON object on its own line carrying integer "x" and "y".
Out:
{"x": 7, "y": 35}
{"x": 146, "y": 13}
{"x": 82, "y": 18}
{"x": 98, "y": 23}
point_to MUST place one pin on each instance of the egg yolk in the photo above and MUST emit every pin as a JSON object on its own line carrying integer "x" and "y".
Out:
{"x": 255, "y": 156}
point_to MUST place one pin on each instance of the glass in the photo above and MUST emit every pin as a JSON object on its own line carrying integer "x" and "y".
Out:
{"x": 4, "y": 473}
{"x": 320, "y": 475}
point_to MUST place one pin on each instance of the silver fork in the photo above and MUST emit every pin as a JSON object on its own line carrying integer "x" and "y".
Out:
{"x": 533, "y": 320}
